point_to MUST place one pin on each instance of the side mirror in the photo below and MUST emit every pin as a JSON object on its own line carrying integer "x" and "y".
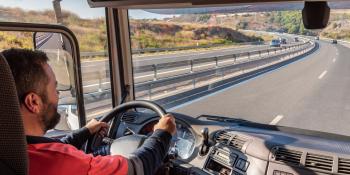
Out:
{"x": 315, "y": 14}
{"x": 59, "y": 50}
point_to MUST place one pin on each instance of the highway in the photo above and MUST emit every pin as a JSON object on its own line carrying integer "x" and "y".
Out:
{"x": 311, "y": 93}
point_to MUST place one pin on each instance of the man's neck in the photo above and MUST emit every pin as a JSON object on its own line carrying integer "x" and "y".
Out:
{"x": 32, "y": 126}
{"x": 33, "y": 132}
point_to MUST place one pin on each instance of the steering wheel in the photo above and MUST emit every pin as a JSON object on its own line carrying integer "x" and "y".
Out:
{"x": 126, "y": 144}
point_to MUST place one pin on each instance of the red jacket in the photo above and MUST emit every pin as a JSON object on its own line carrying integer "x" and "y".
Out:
{"x": 65, "y": 159}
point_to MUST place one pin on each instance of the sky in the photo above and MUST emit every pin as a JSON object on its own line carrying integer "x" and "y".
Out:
{"x": 80, "y": 7}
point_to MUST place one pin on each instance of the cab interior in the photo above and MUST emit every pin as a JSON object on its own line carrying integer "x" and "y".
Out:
{"x": 204, "y": 144}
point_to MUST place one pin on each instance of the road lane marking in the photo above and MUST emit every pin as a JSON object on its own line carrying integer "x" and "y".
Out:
{"x": 322, "y": 75}
{"x": 334, "y": 60}
{"x": 276, "y": 120}
{"x": 97, "y": 84}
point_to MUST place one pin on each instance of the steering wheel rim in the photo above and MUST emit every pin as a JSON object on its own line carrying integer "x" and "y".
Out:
{"x": 91, "y": 144}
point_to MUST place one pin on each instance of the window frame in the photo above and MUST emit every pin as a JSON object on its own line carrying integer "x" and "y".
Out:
{"x": 35, "y": 27}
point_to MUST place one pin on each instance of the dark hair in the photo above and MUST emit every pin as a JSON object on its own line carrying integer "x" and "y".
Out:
{"x": 28, "y": 71}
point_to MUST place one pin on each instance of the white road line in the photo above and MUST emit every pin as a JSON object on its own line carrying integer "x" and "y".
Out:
{"x": 322, "y": 75}
{"x": 334, "y": 60}
{"x": 276, "y": 120}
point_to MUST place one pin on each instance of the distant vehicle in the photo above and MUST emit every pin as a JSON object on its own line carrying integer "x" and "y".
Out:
{"x": 334, "y": 41}
{"x": 296, "y": 39}
{"x": 275, "y": 43}
{"x": 317, "y": 38}
{"x": 283, "y": 41}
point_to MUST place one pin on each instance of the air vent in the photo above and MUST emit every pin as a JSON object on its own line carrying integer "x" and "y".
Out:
{"x": 344, "y": 166}
{"x": 287, "y": 156}
{"x": 128, "y": 118}
{"x": 222, "y": 137}
{"x": 319, "y": 162}
{"x": 230, "y": 139}
{"x": 237, "y": 142}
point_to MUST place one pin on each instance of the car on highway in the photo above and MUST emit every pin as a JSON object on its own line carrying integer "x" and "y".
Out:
{"x": 240, "y": 108}
{"x": 275, "y": 43}
{"x": 283, "y": 40}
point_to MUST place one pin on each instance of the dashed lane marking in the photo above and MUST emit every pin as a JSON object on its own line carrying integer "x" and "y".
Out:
{"x": 276, "y": 119}
{"x": 322, "y": 75}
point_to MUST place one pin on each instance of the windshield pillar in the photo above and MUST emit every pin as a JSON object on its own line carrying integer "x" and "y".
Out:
{"x": 120, "y": 55}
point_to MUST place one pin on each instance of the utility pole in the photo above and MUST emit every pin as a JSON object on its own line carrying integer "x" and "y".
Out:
{"x": 58, "y": 11}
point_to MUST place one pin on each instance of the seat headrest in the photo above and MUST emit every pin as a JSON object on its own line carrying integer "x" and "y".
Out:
{"x": 13, "y": 152}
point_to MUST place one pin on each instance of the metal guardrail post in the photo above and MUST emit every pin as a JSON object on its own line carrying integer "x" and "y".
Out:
{"x": 191, "y": 64}
{"x": 99, "y": 81}
{"x": 235, "y": 57}
{"x": 194, "y": 83}
{"x": 216, "y": 62}
{"x": 248, "y": 55}
{"x": 268, "y": 52}
{"x": 155, "y": 72}
{"x": 259, "y": 53}
{"x": 150, "y": 92}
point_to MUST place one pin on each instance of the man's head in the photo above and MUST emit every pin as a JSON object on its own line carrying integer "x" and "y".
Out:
{"x": 36, "y": 88}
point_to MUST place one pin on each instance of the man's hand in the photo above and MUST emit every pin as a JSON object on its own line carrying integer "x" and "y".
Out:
{"x": 166, "y": 123}
{"x": 94, "y": 126}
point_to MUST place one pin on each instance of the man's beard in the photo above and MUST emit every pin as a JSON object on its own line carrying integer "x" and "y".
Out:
{"x": 50, "y": 117}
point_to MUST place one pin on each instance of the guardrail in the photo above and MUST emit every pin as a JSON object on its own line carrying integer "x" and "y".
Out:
{"x": 155, "y": 69}
{"x": 191, "y": 63}
{"x": 152, "y": 50}
{"x": 156, "y": 87}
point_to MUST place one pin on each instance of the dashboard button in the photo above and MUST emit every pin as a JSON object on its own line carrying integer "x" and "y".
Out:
{"x": 242, "y": 165}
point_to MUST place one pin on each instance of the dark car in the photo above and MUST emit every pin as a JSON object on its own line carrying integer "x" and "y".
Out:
{"x": 283, "y": 41}
{"x": 334, "y": 41}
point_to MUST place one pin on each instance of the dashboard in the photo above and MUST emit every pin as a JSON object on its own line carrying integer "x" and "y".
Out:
{"x": 237, "y": 147}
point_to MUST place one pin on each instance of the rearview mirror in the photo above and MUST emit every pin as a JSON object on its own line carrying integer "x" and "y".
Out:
{"x": 57, "y": 47}
{"x": 316, "y": 14}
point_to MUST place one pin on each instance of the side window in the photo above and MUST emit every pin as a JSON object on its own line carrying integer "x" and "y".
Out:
{"x": 61, "y": 62}
{"x": 89, "y": 26}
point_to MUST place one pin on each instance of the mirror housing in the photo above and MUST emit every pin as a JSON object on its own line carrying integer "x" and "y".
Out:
{"x": 315, "y": 14}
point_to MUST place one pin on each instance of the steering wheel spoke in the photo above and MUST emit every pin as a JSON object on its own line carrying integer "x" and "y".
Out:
{"x": 127, "y": 144}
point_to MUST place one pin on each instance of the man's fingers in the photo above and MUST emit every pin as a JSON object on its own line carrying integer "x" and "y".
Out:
{"x": 103, "y": 132}
{"x": 104, "y": 125}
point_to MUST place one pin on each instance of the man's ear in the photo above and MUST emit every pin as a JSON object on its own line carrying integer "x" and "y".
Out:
{"x": 33, "y": 102}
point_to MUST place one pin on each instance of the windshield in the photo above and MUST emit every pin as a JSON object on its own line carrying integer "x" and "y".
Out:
{"x": 89, "y": 26}
{"x": 256, "y": 63}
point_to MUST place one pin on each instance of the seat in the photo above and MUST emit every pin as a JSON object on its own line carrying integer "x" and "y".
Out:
{"x": 13, "y": 154}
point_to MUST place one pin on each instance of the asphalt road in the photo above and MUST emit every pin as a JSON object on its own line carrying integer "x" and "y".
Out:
{"x": 312, "y": 93}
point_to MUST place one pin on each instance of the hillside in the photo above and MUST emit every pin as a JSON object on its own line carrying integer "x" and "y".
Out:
{"x": 285, "y": 21}
{"x": 91, "y": 33}
{"x": 157, "y": 34}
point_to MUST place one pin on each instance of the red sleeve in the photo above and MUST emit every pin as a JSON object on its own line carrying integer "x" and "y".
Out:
{"x": 58, "y": 159}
